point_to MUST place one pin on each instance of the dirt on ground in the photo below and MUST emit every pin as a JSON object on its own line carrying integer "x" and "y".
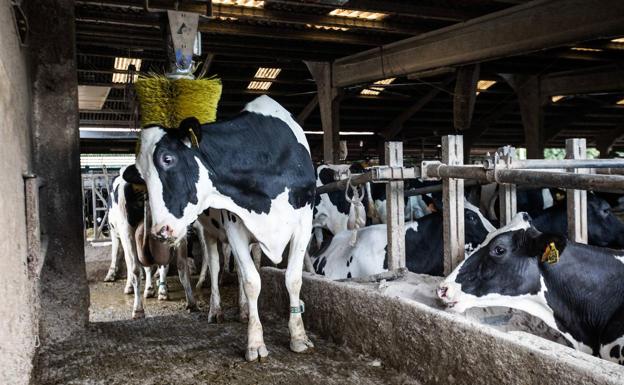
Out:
{"x": 171, "y": 346}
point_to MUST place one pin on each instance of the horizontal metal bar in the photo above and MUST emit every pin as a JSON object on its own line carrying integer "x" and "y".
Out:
{"x": 610, "y": 171}
{"x": 566, "y": 180}
{"x": 566, "y": 163}
{"x": 378, "y": 174}
{"x": 434, "y": 188}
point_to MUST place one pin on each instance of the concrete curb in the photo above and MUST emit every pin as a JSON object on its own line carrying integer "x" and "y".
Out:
{"x": 434, "y": 346}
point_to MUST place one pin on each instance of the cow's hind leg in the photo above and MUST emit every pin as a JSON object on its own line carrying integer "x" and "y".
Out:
{"x": 149, "y": 285}
{"x": 238, "y": 237}
{"x": 299, "y": 341}
{"x": 184, "y": 276}
{"x": 163, "y": 290}
{"x": 115, "y": 257}
{"x": 134, "y": 272}
{"x": 215, "y": 313}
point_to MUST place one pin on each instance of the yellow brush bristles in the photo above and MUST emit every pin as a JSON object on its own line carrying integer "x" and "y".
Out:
{"x": 166, "y": 102}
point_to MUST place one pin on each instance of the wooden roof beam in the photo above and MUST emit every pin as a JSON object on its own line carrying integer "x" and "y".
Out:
{"x": 505, "y": 33}
{"x": 599, "y": 79}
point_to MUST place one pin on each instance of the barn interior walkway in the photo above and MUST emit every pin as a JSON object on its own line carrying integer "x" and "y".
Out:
{"x": 172, "y": 346}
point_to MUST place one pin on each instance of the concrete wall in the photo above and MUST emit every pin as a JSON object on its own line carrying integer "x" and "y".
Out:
{"x": 434, "y": 346}
{"x": 18, "y": 310}
{"x": 56, "y": 157}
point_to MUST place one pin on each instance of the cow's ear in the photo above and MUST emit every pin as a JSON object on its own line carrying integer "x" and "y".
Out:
{"x": 545, "y": 246}
{"x": 191, "y": 128}
{"x": 132, "y": 175}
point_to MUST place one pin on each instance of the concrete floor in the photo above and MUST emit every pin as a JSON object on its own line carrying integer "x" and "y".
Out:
{"x": 172, "y": 346}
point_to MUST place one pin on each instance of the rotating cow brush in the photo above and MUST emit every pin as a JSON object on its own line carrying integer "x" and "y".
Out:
{"x": 167, "y": 102}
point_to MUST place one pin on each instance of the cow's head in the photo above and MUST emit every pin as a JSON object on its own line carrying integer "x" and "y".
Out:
{"x": 168, "y": 166}
{"x": 604, "y": 229}
{"x": 504, "y": 267}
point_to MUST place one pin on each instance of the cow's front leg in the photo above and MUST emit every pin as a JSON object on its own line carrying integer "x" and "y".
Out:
{"x": 239, "y": 241}
{"x": 299, "y": 341}
{"x": 115, "y": 257}
{"x": 149, "y": 285}
{"x": 163, "y": 290}
{"x": 184, "y": 276}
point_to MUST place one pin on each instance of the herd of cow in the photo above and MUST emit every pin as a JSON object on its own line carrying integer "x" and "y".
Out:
{"x": 262, "y": 199}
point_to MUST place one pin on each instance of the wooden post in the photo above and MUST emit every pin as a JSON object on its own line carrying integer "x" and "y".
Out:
{"x": 329, "y": 106}
{"x": 465, "y": 96}
{"x": 577, "y": 199}
{"x": 395, "y": 206}
{"x": 507, "y": 202}
{"x": 506, "y": 192}
{"x": 453, "y": 200}
{"x": 530, "y": 100}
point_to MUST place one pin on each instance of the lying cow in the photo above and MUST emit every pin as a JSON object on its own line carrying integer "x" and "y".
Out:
{"x": 572, "y": 287}
{"x": 126, "y": 218}
{"x": 255, "y": 167}
{"x": 603, "y": 227}
{"x": 424, "y": 247}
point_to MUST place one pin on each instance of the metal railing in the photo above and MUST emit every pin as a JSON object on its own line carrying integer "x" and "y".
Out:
{"x": 576, "y": 174}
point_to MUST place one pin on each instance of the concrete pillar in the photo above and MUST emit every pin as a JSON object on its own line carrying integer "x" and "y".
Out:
{"x": 56, "y": 158}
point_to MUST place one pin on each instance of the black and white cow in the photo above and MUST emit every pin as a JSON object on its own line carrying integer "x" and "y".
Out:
{"x": 125, "y": 214}
{"x": 257, "y": 167}
{"x": 424, "y": 247}
{"x": 603, "y": 227}
{"x": 581, "y": 295}
{"x": 126, "y": 220}
{"x": 332, "y": 211}
{"x": 416, "y": 206}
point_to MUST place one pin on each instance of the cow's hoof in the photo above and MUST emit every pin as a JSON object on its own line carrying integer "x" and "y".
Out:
{"x": 111, "y": 276}
{"x": 138, "y": 314}
{"x": 301, "y": 346}
{"x": 149, "y": 292}
{"x": 129, "y": 290}
{"x": 215, "y": 316}
{"x": 192, "y": 307}
{"x": 256, "y": 353}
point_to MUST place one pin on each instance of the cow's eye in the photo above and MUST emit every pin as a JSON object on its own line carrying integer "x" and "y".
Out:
{"x": 498, "y": 250}
{"x": 167, "y": 160}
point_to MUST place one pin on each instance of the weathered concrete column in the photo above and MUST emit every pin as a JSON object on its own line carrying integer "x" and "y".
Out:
{"x": 329, "y": 106}
{"x": 56, "y": 157}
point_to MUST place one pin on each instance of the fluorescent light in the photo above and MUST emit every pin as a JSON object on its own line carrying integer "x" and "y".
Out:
{"x": 586, "y": 49}
{"x": 92, "y": 97}
{"x": 556, "y": 98}
{"x": 122, "y": 64}
{"x": 267, "y": 73}
{"x": 358, "y": 14}
{"x": 109, "y": 129}
{"x": 618, "y": 40}
{"x": 341, "y": 133}
{"x": 263, "y": 73}
{"x": 483, "y": 85}
{"x": 100, "y": 160}
{"x": 327, "y": 27}
{"x": 241, "y": 3}
{"x": 376, "y": 90}
{"x": 262, "y": 86}
{"x": 620, "y": 102}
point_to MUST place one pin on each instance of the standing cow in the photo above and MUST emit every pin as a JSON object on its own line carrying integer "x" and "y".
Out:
{"x": 257, "y": 168}
{"x": 127, "y": 222}
{"x": 574, "y": 288}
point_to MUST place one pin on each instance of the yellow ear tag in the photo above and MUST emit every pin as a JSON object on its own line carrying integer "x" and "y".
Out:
{"x": 193, "y": 138}
{"x": 551, "y": 254}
